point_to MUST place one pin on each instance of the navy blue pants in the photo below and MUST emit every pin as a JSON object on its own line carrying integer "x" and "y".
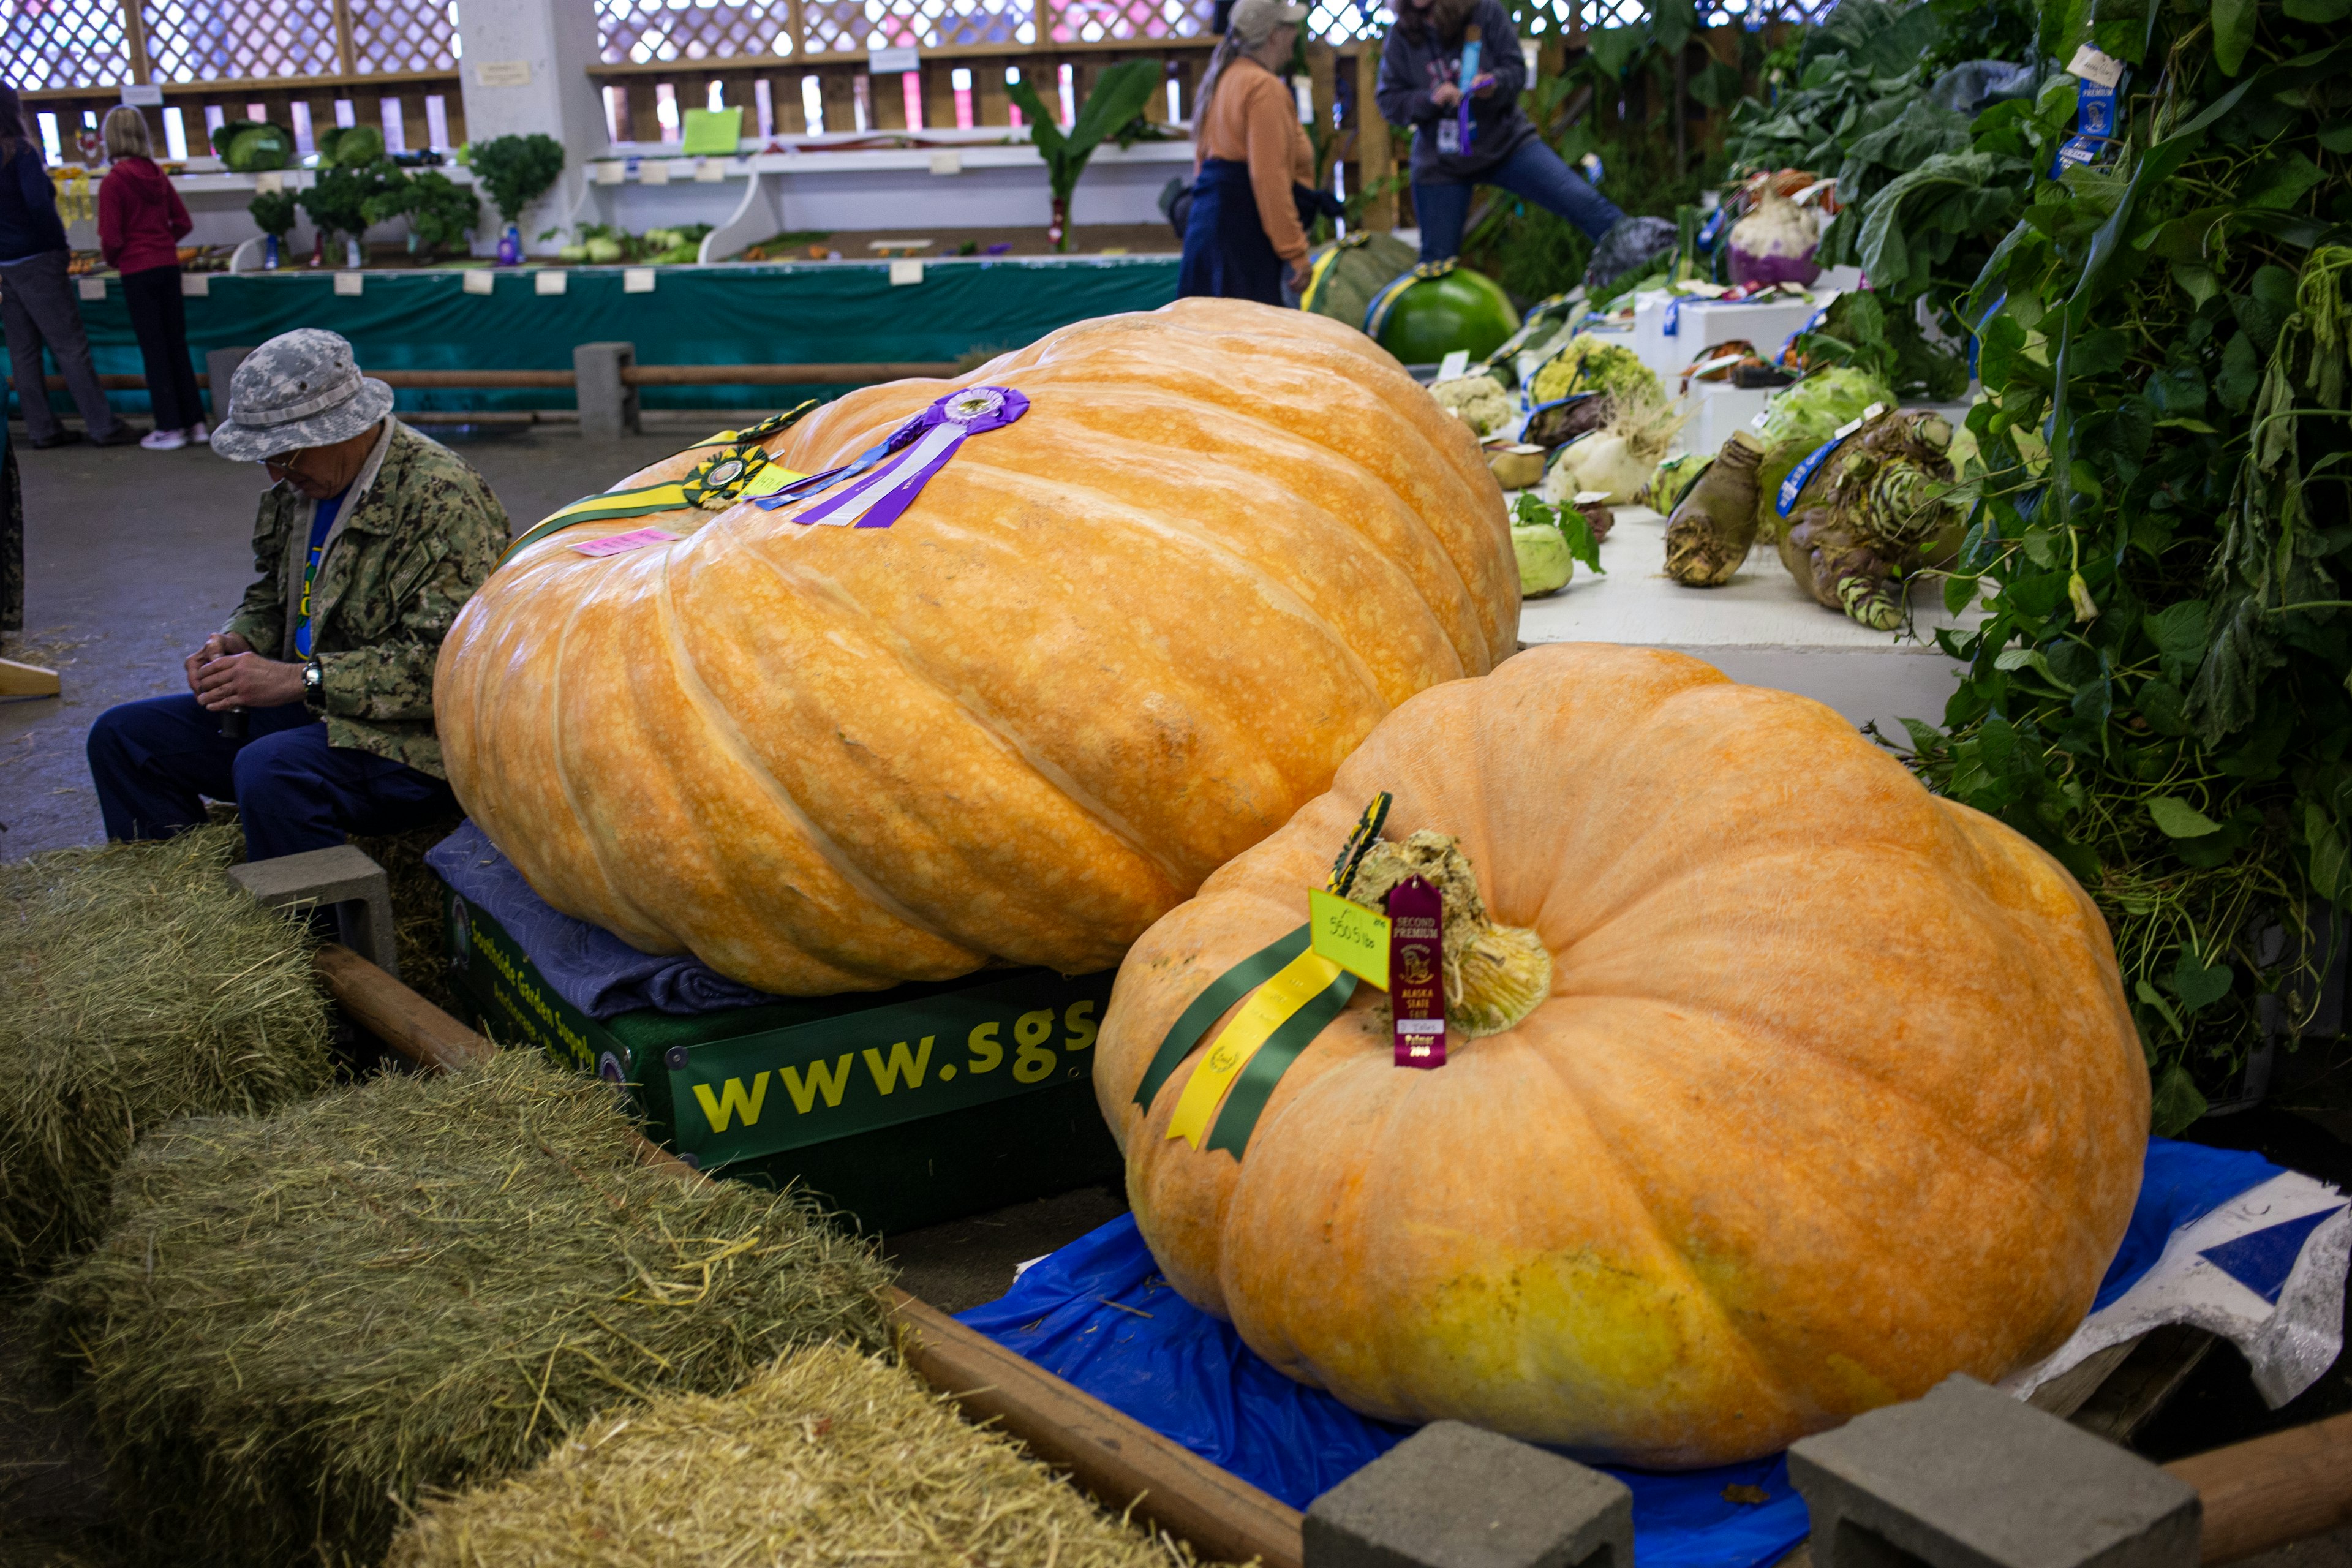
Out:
{"x": 1535, "y": 173}
{"x": 153, "y": 760}
{"x": 1226, "y": 253}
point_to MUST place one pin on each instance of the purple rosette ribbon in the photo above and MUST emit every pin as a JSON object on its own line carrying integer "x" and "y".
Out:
{"x": 884, "y": 481}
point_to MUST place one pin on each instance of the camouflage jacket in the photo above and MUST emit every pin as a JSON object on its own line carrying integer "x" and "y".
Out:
{"x": 418, "y": 532}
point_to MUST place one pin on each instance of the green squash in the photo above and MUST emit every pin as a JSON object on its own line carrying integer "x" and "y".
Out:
{"x": 1346, "y": 274}
{"x": 1438, "y": 307}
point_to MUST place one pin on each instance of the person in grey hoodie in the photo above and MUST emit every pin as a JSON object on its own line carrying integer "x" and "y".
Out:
{"x": 1491, "y": 144}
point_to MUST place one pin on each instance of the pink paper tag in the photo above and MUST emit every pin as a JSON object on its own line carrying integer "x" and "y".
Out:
{"x": 620, "y": 543}
{"x": 1417, "y": 972}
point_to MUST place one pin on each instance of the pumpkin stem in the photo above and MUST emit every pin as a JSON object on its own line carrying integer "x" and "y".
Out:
{"x": 1495, "y": 976}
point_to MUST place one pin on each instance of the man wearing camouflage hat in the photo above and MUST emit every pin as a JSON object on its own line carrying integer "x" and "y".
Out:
{"x": 313, "y": 708}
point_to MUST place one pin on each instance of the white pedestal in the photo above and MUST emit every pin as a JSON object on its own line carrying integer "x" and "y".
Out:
{"x": 1759, "y": 628}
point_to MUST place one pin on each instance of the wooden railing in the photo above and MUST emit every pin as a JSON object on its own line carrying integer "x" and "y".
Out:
{"x": 851, "y": 100}
{"x": 237, "y": 99}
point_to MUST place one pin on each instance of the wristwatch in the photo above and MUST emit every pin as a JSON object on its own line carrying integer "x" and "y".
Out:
{"x": 313, "y": 678}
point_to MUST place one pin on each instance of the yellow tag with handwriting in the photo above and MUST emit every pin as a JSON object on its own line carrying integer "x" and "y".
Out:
{"x": 1349, "y": 934}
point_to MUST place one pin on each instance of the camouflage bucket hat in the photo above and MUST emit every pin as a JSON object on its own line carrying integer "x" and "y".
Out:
{"x": 299, "y": 389}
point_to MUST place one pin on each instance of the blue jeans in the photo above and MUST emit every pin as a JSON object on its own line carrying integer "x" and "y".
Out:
{"x": 1536, "y": 173}
{"x": 153, "y": 760}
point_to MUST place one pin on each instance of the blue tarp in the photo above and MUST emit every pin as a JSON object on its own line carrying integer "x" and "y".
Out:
{"x": 1097, "y": 1314}
{"x": 587, "y": 965}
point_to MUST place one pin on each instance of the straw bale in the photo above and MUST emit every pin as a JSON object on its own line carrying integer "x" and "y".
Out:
{"x": 141, "y": 985}
{"x": 829, "y": 1457}
{"x": 295, "y": 1320}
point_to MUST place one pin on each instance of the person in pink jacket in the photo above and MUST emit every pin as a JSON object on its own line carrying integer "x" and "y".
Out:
{"x": 140, "y": 222}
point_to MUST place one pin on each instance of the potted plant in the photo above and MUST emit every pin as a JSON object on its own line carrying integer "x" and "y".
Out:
{"x": 439, "y": 211}
{"x": 1111, "y": 111}
{"x": 516, "y": 171}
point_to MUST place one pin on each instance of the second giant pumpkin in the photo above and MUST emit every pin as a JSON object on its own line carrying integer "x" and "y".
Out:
{"x": 1831, "y": 1092}
{"x": 1110, "y": 647}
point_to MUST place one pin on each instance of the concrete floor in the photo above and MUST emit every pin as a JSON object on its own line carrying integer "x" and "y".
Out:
{"x": 132, "y": 558}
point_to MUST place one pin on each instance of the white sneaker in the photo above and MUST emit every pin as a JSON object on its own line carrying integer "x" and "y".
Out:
{"x": 198, "y": 436}
{"x": 164, "y": 441}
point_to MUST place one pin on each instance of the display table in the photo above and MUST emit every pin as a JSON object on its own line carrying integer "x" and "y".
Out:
{"x": 1759, "y": 628}
{"x": 779, "y": 313}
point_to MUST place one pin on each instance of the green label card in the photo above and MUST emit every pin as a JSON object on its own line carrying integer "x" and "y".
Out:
{"x": 1349, "y": 935}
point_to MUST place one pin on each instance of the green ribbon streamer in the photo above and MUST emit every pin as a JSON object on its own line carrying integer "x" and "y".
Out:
{"x": 1223, "y": 993}
{"x": 1247, "y": 1100}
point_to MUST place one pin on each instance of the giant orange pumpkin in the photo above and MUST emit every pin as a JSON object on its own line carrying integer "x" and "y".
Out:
{"x": 1833, "y": 1093}
{"x": 1110, "y": 647}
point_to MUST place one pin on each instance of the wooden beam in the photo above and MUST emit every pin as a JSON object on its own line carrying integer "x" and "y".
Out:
{"x": 426, "y": 1037}
{"x": 2264, "y": 1493}
{"x": 1375, "y": 153}
{"x": 27, "y": 680}
{"x": 1117, "y": 1458}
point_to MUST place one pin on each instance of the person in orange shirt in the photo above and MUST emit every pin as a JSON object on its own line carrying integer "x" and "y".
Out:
{"x": 1244, "y": 235}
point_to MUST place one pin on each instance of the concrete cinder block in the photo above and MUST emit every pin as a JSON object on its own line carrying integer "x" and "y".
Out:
{"x": 341, "y": 879}
{"x": 1968, "y": 1477}
{"x": 1453, "y": 1496}
{"x": 608, "y": 406}
{"x": 220, "y": 368}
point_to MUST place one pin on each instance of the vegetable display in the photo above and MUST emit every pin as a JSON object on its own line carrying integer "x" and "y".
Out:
{"x": 347, "y": 201}
{"x": 252, "y": 146}
{"x": 1800, "y": 419}
{"x": 2161, "y": 537}
{"x": 1664, "y": 1218}
{"x": 515, "y": 171}
{"x": 1775, "y": 244}
{"x": 1875, "y": 509}
{"x": 1550, "y": 539}
{"x": 1616, "y": 460}
{"x": 1478, "y": 401}
{"x": 1591, "y": 363}
{"x": 1713, "y": 523}
{"x": 1107, "y": 649}
{"x": 1673, "y": 478}
{"x": 274, "y": 212}
{"x": 440, "y": 211}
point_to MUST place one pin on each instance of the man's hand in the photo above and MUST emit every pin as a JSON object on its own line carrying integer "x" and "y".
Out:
{"x": 1445, "y": 95}
{"x": 220, "y": 645}
{"x": 247, "y": 681}
{"x": 1300, "y": 275}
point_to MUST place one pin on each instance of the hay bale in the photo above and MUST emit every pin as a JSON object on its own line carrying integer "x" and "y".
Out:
{"x": 414, "y": 1283}
{"x": 142, "y": 985}
{"x": 829, "y": 1457}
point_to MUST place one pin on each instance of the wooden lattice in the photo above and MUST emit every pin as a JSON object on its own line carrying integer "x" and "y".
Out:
{"x": 236, "y": 40}
{"x": 1110, "y": 21}
{"x": 403, "y": 36}
{"x": 643, "y": 31}
{"x": 64, "y": 43}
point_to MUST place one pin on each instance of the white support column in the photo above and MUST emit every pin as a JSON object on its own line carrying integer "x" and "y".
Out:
{"x": 525, "y": 69}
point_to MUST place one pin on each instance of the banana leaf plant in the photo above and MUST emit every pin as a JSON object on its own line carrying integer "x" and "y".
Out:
{"x": 1116, "y": 101}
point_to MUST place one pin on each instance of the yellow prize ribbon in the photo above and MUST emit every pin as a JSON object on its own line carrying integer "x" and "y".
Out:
{"x": 1294, "y": 985}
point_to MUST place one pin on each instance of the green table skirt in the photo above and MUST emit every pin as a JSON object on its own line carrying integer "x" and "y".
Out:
{"x": 791, "y": 313}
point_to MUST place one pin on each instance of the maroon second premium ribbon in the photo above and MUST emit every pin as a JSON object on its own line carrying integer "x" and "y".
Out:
{"x": 1417, "y": 972}
{"x": 920, "y": 447}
